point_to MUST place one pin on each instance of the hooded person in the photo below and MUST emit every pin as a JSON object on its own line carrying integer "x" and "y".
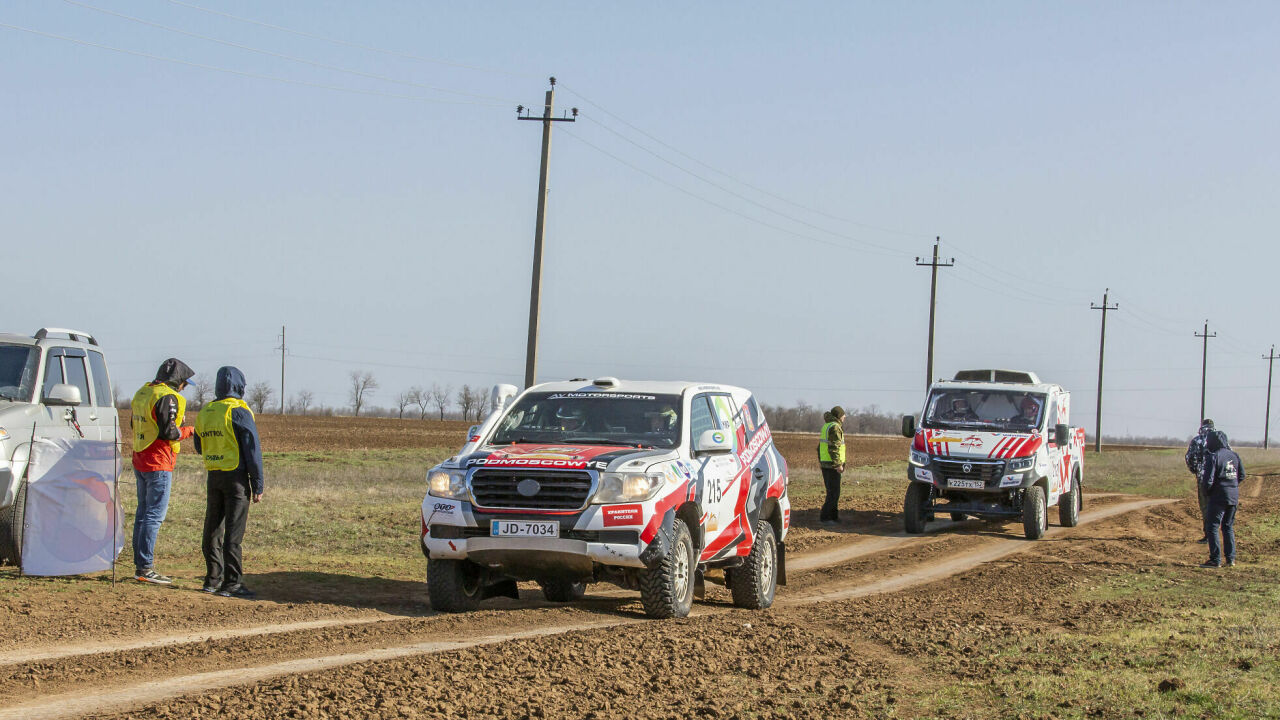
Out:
{"x": 227, "y": 440}
{"x": 1220, "y": 480}
{"x": 1197, "y": 449}
{"x": 831, "y": 458}
{"x": 158, "y": 411}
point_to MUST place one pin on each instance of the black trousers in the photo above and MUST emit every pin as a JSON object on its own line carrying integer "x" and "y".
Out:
{"x": 831, "y": 506}
{"x": 226, "y": 512}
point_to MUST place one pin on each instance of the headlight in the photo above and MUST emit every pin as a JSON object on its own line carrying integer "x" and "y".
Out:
{"x": 919, "y": 458}
{"x": 1021, "y": 464}
{"x": 447, "y": 484}
{"x": 628, "y": 487}
{"x": 4, "y": 434}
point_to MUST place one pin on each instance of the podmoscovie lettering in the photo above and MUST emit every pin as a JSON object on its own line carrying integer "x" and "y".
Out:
{"x": 537, "y": 462}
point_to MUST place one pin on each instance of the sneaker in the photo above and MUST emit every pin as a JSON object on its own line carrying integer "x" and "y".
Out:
{"x": 239, "y": 591}
{"x": 151, "y": 576}
{"x": 209, "y": 587}
{"x": 1203, "y": 541}
{"x": 1210, "y": 564}
{"x": 1231, "y": 563}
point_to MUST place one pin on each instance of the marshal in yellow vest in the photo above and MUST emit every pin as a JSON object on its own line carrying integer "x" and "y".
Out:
{"x": 218, "y": 442}
{"x": 145, "y": 428}
{"x": 825, "y": 449}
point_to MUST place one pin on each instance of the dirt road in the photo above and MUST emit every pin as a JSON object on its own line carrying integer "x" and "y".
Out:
{"x": 400, "y": 660}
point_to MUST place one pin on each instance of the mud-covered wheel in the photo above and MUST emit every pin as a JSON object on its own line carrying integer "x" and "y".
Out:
{"x": 11, "y": 521}
{"x": 1035, "y": 516}
{"x": 1069, "y": 504}
{"x": 562, "y": 590}
{"x": 666, "y": 590}
{"x": 754, "y": 582}
{"x": 454, "y": 585}
{"x": 915, "y": 509}
{"x": 959, "y": 517}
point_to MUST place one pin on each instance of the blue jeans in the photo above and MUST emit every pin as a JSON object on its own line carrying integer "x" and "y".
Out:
{"x": 153, "y": 504}
{"x": 1221, "y": 515}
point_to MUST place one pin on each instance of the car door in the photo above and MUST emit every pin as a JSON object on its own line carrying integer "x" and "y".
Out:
{"x": 729, "y": 487}
{"x": 104, "y": 414}
{"x": 59, "y": 421}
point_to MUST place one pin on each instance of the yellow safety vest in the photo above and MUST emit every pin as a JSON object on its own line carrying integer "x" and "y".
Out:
{"x": 145, "y": 427}
{"x": 824, "y": 446}
{"x": 218, "y": 442}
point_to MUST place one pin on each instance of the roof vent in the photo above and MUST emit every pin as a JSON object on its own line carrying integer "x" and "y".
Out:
{"x": 605, "y": 382}
{"x": 998, "y": 376}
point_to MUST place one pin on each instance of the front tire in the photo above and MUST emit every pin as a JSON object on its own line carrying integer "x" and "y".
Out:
{"x": 755, "y": 581}
{"x": 666, "y": 590}
{"x": 12, "y": 519}
{"x": 915, "y": 509}
{"x": 1035, "y": 518}
{"x": 563, "y": 590}
{"x": 454, "y": 585}
{"x": 1069, "y": 505}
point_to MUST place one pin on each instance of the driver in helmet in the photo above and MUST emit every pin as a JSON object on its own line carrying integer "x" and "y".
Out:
{"x": 960, "y": 411}
{"x": 571, "y": 418}
{"x": 663, "y": 421}
{"x": 1028, "y": 411}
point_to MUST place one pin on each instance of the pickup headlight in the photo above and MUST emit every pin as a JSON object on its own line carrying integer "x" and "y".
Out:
{"x": 1022, "y": 464}
{"x": 628, "y": 487}
{"x": 4, "y": 434}
{"x": 919, "y": 458}
{"x": 451, "y": 484}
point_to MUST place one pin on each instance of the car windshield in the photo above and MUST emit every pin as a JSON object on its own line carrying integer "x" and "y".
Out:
{"x": 984, "y": 409}
{"x": 17, "y": 371}
{"x": 592, "y": 418}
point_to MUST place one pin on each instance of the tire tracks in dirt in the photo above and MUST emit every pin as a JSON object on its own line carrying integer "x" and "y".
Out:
{"x": 80, "y": 699}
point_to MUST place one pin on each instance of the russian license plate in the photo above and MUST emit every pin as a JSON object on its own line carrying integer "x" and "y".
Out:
{"x": 965, "y": 484}
{"x": 524, "y": 528}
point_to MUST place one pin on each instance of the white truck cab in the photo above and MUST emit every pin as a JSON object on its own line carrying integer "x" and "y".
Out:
{"x": 994, "y": 444}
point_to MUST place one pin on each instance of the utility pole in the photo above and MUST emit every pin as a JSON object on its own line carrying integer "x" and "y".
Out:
{"x": 933, "y": 302}
{"x": 1102, "y": 344}
{"x": 282, "y": 351}
{"x": 1266, "y": 427}
{"x": 1204, "y": 366}
{"x": 535, "y": 290}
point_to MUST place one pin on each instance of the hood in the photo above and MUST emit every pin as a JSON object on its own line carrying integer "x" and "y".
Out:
{"x": 558, "y": 456}
{"x": 983, "y": 445}
{"x": 1217, "y": 440}
{"x": 230, "y": 383}
{"x": 826, "y": 417}
{"x": 173, "y": 372}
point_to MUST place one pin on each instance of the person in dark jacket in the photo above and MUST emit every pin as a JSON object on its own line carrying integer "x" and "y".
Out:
{"x": 1221, "y": 477}
{"x": 1196, "y": 451}
{"x": 831, "y": 458}
{"x": 227, "y": 439}
{"x": 158, "y": 411}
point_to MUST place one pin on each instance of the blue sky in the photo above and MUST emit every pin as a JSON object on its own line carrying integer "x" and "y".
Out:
{"x": 742, "y": 199}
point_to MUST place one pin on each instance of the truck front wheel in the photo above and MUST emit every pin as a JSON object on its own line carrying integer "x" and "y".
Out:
{"x": 754, "y": 582}
{"x": 11, "y": 522}
{"x": 666, "y": 589}
{"x": 1035, "y": 518}
{"x": 454, "y": 585}
{"x": 915, "y": 508}
{"x": 1069, "y": 505}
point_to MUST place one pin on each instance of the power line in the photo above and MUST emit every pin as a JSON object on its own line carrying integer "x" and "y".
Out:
{"x": 243, "y": 73}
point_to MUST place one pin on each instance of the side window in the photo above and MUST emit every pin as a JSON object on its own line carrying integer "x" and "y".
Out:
{"x": 726, "y": 412}
{"x": 76, "y": 375}
{"x": 52, "y": 373}
{"x": 102, "y": 395}
{"x": 700, "y": 418}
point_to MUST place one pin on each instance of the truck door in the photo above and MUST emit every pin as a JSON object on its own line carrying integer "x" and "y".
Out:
{"x": 67, "y": 365}
{"x": 104, "y": 413}
{"x": 732, "y": 484}
{"x": 714, "y": 474}
{"x": 1057, "y": 455}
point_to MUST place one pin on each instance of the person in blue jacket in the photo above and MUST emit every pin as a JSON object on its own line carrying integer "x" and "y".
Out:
{"x": 227, "y": 439}
{"x": 1220, "y": 479}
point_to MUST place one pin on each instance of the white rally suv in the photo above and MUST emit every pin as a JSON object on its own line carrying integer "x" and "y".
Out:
{"x": 642, "y": 484}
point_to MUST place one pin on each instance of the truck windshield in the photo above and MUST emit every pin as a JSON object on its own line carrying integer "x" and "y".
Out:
{"x": 592, "y": 418}
{"x": 984, "y": 409}
{"x": 17, "y": 371}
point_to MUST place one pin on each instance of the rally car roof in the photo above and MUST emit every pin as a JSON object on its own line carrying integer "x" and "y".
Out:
{"x": 614, "y": 385}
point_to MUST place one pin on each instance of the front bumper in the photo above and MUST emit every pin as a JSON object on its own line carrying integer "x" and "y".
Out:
{"x": 995, "y": 476}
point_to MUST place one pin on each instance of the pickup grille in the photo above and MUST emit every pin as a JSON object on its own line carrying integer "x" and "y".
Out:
{"x": 555, "y": 490}
{"x": 987, "y": 471}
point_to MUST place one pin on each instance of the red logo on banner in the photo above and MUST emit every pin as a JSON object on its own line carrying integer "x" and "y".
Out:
{"x": 623, "y": 515}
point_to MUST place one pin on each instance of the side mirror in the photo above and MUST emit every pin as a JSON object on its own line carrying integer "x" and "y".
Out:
{"x": 713, "y": 442}
{"x": 63, "y": 394}
{"x": 1061, "y": 435}
{"x": 908, "y": 426}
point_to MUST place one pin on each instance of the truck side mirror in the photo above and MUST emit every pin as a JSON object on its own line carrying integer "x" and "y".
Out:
{"x": 908, "y": 426}
{"x": 1061, "y": 434}
{"x": 713, "y": 442}
{"x": 63, "y": 394}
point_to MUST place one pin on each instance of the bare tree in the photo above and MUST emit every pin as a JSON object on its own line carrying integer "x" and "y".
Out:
{"x": 467, "y": 401}
{"x": 201, "y": 390}
{"x": 259, "y": 395}
{"x": 301, "y": 402}
{"x": 420, "y": 399}
{"x": 404, "y": 399}
{"x": 440, "y": 398}
{"x": 363, "y": 385}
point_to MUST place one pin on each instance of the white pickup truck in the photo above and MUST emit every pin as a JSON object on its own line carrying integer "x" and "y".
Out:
{"x": 994, "y": 444}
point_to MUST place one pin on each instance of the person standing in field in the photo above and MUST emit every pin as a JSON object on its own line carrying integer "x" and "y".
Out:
{"x": 158, "y": 410}
{"x": 1196, "y": 452}
{"x": 831, "y": 457}
{"x": 227, "y": 439}
{"x": 1221, "y": 478}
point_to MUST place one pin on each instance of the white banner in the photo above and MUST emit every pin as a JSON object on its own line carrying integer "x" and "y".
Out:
{"x": 73, "y": 519}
